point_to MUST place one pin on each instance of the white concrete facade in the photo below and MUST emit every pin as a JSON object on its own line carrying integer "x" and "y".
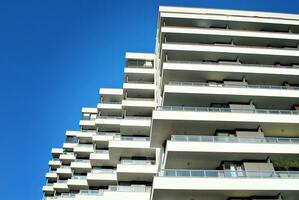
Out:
{"x": 212, "y": 114}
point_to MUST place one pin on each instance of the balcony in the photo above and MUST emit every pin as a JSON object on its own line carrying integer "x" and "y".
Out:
{"x": 140, "y": 192}
{"x": 77, "y": 183}
{"x": 138, "y": 106}
{"x": 136, "y": 170}
{"x": 48, "y": 189}
{"x": 239, "y": 20}
{"x": 51, "y": 176}
{"x": 222, "y": 184}
{"x": 102, "y": 177}
{"x": 67, "y": 157}
{"x": 101, "y": 139}
{"x": 144, "y": 74}
{"x": 85, "y": 136}
{"x": 110, "y": 95}
{"x": 139, "y": 89}
{"x": 64, "y": 171}
{"x": 90, "y": 195}
{"x": 83, "y": 149}
{"x": 219, "y": 35}
{"x": 81, "y": 166}
{"x": 130, "y": 147}
{"x": 101, "y": 158}
{"x": 170, "y": 120}
{"x": 110, "y": 108}
{"x": 55, "y": 163}
{"x": 221, "y": 70}
{"x": 203, "y": 94}
{"x": 187, "y": 151}
{"x": 108, "y": 123}
{"x": 61, "y": 186}
{"x": 215, "y": 52}
{"x": 135, "y": 125}
{"x": 56, "y": 152}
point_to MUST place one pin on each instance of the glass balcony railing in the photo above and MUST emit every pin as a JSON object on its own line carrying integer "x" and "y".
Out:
{"x": 123, "y": 188}
{"x": 85, "y": 145}
{"x": 128, "y": 138}
{"x": 103, "y": 171}
{"x": 82, "y": 161}
{"x": 137, "y": 118}
{"x": 141, "y": 82}
{"x": 238, "y": 64}
{"x": 102, "y": 151}
{"x": 92, "y": 192}
{"x": 137, "y": 162}
{"x": 233, "y": 85}
{"x": 109, "y": 117}
{"x": 61, "y": 181}
{"x": 227, "y": 110}
{"x": 65, "y": 167}
{"x": 108, "y": 133}
{"x": 79, "y": 177}
{"x": 230, "y": 139}
{"x": 228, "y": 173}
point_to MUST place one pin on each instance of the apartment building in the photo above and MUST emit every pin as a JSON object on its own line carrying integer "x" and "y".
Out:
{"x": 212, "y": 114}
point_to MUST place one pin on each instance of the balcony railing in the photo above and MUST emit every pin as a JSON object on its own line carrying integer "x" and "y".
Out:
{"x": 238, "y": 64}
{"x": 109, "y": 117}
{"x": 102, "y": 151}
{"x": 137, "y": 118}
{"x": 227, "y": 110}
{"x": 233, "y": 85}
{"x": 123, "y": 188}
{"x": 82, "y": 161}
{"x": 85, "y": 145}
{"x": 229, "y": 139}
{"x": 141, "y": 82}
{"x": 108, "y": 133}
{"x": 228, "y": 173}
{"x": 128, "y": 138}
{"x": 103, "y": 171}
{"x": 92, "y": 192}
{"x": 137, "y": 162}
{"x": 79, "y": 177}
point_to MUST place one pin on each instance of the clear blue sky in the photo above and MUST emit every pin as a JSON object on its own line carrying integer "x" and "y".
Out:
{"x": 54, "y": 56}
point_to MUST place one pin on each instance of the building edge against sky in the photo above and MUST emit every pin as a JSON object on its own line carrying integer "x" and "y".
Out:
{"x": 213, "y": 114}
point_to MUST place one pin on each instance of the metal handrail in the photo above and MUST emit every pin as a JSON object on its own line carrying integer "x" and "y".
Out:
{"x": 228, "y": 173}
{"x": 233, "y": 139}
{"x": 226, "y": 110}
{"x": 232, "y": 85}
